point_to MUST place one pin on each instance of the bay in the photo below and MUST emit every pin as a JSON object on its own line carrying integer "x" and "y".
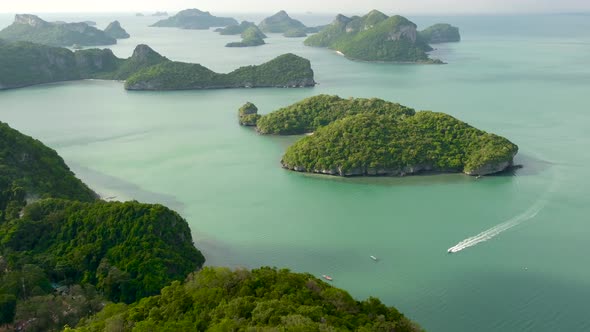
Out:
{"x": 523, "y": 77}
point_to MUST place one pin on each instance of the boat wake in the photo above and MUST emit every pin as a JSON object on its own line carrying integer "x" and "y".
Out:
{"x": 489, "y": 234}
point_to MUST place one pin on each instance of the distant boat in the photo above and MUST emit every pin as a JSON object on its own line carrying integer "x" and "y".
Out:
{"x": 339, "y": 53}
{"x": 374, "y": 258}
{"x": 327, "y": 277}
{"x": 452, "y": 250}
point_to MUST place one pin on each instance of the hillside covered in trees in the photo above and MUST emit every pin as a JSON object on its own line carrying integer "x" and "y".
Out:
{"x": 265, "y": 299}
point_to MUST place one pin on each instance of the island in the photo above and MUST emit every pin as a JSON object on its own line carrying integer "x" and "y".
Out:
{"x": 28, "y": 64}
{"x": 139, "y": 15}
{"x": 235, "y": 29}
{"x": 160, "y": 14}
{"x": 369, "y": 137}
{"x": 115, "y": 30}
{"x": 441, "y": 33}
{"x": 70, "y": 259}
{"x": 248, "y": 115}
{"x": 195, "y": 19}
{"x": 252, "y": 36}
{"x": 31, "y": 28}
{"x": 296, "y": 33}
{"x": 374, "y": 37}
{"x": 280, "y": 23}
{"x": 285, "y": 71}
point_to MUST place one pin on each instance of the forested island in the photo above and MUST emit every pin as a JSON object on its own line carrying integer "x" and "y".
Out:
{"x": 358, "y": 137}
{"x": 195, "y": 19}
{"x": 65, "y": 254}
{"x": 26, "y": 64}
{"x": 252, "y": 36}
{"x": 285, "y": 71}
{"x": 376, "y": 37}
{"x": 33, "y": 29}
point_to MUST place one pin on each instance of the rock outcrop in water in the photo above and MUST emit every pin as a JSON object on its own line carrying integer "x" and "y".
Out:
{"x": 441, "y": 33}
{"x": 248, "y": 115}
{"x": 33, "y": 29}
{"x": 370, "y": 137}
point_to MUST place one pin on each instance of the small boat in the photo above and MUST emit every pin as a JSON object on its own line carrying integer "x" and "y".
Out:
{"x": 451, "y": 251}
{"x": 374, "y": 258}
{"x": 327, "y": 277}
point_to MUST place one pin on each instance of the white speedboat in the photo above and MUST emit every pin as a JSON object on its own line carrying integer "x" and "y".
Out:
{"x": 327, "y": 277}
{"x": 374, "y": 258}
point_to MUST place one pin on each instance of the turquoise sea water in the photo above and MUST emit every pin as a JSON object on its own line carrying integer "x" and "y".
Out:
{"x": 523, "y": 77}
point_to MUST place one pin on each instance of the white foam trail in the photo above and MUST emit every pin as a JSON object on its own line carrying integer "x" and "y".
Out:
{"x": 486, "y": 235}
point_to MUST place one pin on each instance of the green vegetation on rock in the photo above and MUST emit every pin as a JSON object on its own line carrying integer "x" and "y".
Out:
{"x": 374, "y": 37}
{"x": 115, "y": 30}
{"x": 195, "y": 19}
{"x": 252, "y": 36}
{"x": 441, "y": 33}
{"x": 287, "y": 70}
{"x": 309, "y": 114}
{"x": 29, "y": 170}
{"x": 384, "y": 144}
{"x": 280, "y": 23}
{"x": 265, "y": 299}
{"x": 248, "y": 114}
{"x": 33, "y": 29}
{"x": 104, "y": 244}
{"x": 55, "y": 234}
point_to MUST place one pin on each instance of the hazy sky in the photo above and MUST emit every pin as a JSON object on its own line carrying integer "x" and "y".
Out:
{"x": 324, "y": 6}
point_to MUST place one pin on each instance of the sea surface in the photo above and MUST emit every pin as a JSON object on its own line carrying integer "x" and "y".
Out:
{"x": 524, "y": 262}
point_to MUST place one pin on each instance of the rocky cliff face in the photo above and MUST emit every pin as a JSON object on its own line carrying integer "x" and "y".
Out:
{"x": 30, "y": 20}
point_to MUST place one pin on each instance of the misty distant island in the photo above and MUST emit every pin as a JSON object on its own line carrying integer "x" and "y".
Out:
{"x": 31, "y": 28}
{"x": 378, "y": 37}
{"x": 195, "y": 19}
{"x": 115, "y": 30}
